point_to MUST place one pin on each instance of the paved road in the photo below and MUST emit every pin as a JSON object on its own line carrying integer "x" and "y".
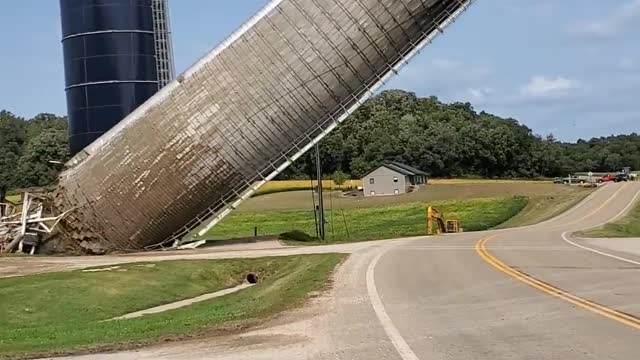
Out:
{"x": 528, "y": 293}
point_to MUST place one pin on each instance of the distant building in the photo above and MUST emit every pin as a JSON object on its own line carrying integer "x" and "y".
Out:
{"x": 393, "y": 178}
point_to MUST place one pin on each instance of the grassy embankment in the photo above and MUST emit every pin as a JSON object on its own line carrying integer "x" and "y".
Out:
{"x": 372, "y": 223}
{"x": 629, "y": 226}
{"x": 541, "y": 208}
{"x": 470, "y": 201}
{"x": 63, "y": 312}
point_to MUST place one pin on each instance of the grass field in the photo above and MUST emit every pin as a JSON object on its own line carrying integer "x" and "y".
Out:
{"x": 302, "y": 200}
{"x": 629, "y": 226}
{"x": 371, "y": 223}
{"x": 62, "y": 312}
{"x": 486, "y": 181}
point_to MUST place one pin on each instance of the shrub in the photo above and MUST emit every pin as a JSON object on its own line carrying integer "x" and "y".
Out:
{"x": 296, "y": 235}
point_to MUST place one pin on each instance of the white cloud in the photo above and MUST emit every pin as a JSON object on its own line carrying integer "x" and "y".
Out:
{"x": 618, "y": 21}
{"x": 541, "y": 86}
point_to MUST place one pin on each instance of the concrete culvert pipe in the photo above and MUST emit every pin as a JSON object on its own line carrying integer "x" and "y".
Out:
{"x": 252, "y": 278}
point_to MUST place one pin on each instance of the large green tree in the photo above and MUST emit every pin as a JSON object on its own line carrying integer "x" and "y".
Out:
{"x": 27, "y": 148}
{"x": 12, "y": 137}
{"x": 40, "y": 162}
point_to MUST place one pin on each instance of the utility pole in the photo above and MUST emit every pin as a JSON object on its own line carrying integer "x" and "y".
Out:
{"x": 320, "y": 209}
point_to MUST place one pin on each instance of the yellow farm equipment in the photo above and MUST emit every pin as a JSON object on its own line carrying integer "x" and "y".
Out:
{"x": 437, "y": 224}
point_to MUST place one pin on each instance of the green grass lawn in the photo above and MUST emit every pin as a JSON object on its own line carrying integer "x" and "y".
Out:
{"x": 62, "y": 312}
{"x": 541, "y": 208}
{"x": 371, "y": 223}
{"x": 629, "y": 226}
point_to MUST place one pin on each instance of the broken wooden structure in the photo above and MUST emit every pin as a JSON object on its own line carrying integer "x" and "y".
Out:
{"x": 24, "y": 224}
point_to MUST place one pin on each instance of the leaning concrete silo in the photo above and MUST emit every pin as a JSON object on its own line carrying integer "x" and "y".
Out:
{"x": 238, "y": 117}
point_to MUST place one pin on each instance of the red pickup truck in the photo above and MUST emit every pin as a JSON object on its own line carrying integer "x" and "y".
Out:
{"x": 607, "y": 178}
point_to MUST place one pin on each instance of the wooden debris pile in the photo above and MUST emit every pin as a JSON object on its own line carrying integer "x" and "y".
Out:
{"x": 23, "y": 225}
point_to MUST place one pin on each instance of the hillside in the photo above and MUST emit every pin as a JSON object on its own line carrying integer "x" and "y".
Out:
{"x": 449, "y": 140}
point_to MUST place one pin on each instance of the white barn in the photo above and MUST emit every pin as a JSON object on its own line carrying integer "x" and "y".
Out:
{"x": 393, "y": 178}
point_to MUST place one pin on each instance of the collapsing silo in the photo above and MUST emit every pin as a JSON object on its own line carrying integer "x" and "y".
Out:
{"x": 239, "y": 116}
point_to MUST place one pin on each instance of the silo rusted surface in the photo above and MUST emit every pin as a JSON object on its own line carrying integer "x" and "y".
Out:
{"x": 239, "y": 116}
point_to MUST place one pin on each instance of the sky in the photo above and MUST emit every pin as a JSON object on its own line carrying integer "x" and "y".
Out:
{"x": 570, "y": 67}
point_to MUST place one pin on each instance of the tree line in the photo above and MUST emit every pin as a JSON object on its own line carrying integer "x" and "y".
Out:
{"x": 444, "y": 140}
{"x": 453, "y": 140}
{"x": 27, "y": 149}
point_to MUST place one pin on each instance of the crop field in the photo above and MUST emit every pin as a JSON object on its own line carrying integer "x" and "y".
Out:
{"x": 293, "y": 185}
{"x": 371, "y": 223}
{"x": 278, "y": 186}
{"x": 58, "y": 313}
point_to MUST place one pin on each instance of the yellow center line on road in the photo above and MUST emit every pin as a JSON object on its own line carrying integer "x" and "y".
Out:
{"x": 549, "y": 289}
{"x": 596, "y": 210}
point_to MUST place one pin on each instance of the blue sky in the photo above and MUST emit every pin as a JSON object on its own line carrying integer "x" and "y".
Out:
{"x": 570, "y": 67}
